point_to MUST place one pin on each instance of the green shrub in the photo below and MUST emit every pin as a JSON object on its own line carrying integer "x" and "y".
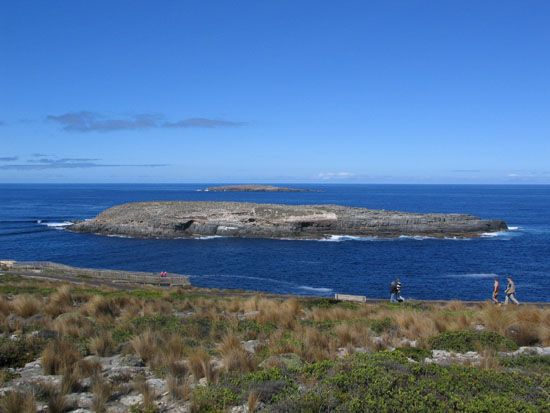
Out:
{"x": 463, "y": 341}
{"x": 381, "y": 326}
{"x": 213, "y": 398}
{"x": 532, "y": 363}
{"x": 417, "y": 354}
{"x": 387, "y": 382}
{"x": 16, "y": 353}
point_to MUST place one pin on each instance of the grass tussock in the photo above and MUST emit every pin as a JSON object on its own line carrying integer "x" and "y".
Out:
{"x": 60, "y": 301}
{"x": 18, "y": 402}
{"x": 145, "y": 345}
{"x": 59, "y": 356}
{"x": 102, "y": 345}
{"x": 5, "y": 306}
{"x": 141, "y": 385}
{"x": 101, "y": 306}
{"x": 26, "y": 305}
{"x": 201, "y": 366}
{"x": 253, "y": 401}
{"x": 235, "y": 357}
{"x": 281, "y": 314}
{"x": 102, "y": 391}
{"x": 57, "y": 403}
{"x": 178, "y": 388}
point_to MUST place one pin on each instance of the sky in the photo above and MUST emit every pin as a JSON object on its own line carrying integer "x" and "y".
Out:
{"x": 275, "y": 91}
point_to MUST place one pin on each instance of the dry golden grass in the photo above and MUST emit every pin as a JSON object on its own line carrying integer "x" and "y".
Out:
{"x": 235, "y": 357}
{"x": 74, "y": 325}
{"x": 331, "y": 314}
{"x": 60, "y": 301}
{"x": 280, "y": 343}
{"x": 87, "y": 368}
{"x": 496, "y": 318}
{"x": 201, "y": 366}
{"x": 455, "y": 305}
{"x": 253, "y": 401}
{"x": 141, "y": 385}
{"x": 348, "y": 334}
{"x": 413, "y": 327}
{"x": 18, "y": 402}
{"x": 316, "y": 345}
{"x": 178, "y": 388}
{"x": 26, "y": 305}
{"x": 102, "y": 391}
{"x": 5, "y": 307}
{"x": 102, "y": 345}
{"x": 283, "y": 314}
{"x": 99, "y": 305}
{"x": 488, "y": 360}
{"x": 57, "y": 403}
{"x": 145, "y": 345}
{"x": 59, "y": 356}
{"x": 69, "y": 382}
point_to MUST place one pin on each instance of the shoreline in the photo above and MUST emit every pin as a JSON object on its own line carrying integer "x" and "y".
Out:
{"x": 118, "y": 279}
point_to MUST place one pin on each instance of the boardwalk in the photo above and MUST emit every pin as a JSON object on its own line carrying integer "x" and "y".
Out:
{"x": 53, "y": 270}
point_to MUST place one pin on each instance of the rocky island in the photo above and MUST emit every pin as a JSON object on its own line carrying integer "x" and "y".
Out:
{"x": 249, "y": 220}
{"x": 254, "y": 188}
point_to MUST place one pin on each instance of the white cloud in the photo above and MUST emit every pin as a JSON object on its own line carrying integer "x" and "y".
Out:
{"x": 336, "y": 175}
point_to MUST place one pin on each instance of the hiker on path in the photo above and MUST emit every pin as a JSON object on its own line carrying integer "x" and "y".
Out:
{"x": 395, "y": 290}
{"x": 496, "y": 290}
{"x": 510, "y": 292}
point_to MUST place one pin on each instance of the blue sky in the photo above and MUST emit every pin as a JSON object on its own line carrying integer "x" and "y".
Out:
{"x": 275, "y": 91}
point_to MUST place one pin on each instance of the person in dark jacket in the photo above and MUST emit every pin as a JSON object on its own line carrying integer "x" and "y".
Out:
{"x": 395, "y": 291}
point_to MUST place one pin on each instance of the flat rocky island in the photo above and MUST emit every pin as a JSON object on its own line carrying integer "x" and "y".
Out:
{"x": 249, "y": 220}
{"x": 254, "y": 188}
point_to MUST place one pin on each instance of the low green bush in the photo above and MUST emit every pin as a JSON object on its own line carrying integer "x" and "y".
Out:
{"x": 417, "y": 354}
{"x": 387, "y": 382}
{"x": 383, "y": 325}
{"x": 463, "y": 341}
{"x": 213, "y": 398}
{"x": 531, "y": 363}
{"x": 16, "y": 353}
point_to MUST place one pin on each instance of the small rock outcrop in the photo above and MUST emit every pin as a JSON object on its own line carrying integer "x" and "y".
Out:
{"x": 238, "y": 219}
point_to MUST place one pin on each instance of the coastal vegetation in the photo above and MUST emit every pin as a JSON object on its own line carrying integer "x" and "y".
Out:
{"x": 65, "y": 346}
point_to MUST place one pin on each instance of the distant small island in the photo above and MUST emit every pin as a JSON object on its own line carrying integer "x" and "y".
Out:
{"x": 254, "y": 188}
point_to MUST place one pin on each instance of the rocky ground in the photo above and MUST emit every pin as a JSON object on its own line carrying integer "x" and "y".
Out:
{"x": 195, "y": 219}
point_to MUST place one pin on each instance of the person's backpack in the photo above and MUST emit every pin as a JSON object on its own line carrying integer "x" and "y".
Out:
{"x": 393, "y": 287}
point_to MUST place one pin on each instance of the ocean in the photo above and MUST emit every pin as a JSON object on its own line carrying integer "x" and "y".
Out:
{"x": 33, "y": 218}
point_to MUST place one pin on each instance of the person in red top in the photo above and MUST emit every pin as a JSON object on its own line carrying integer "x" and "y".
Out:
{"x": 496, "y": 290}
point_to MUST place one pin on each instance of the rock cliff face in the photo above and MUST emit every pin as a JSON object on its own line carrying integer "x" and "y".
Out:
{"x": 195, "y": 219}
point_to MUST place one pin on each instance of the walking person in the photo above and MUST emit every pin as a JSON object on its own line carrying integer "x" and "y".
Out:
{"x": 496, "y": 290}
{"x": 395, "y": 290}
{"x": 510, "y": 292}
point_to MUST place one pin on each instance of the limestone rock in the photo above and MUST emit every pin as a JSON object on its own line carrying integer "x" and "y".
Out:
{"x": 287, "y": 360}
{"x": 238, "y": 219}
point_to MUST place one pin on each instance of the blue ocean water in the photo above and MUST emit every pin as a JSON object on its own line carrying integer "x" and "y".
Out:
{"x": 32, "y": 218}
